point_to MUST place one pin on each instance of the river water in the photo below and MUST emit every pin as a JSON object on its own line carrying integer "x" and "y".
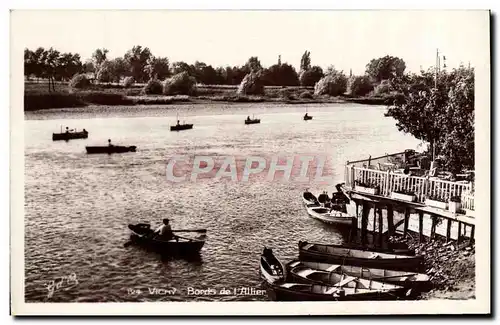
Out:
{"x": 77, "y": 206}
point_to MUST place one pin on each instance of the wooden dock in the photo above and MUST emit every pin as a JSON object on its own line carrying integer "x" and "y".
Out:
{"x": 394, "y": 202}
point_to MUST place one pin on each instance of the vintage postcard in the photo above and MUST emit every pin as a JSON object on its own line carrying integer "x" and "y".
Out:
{"x": 183, "y": 162}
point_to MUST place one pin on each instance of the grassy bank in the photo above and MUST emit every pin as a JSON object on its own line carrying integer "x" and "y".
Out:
{"x": 38, "y": 97}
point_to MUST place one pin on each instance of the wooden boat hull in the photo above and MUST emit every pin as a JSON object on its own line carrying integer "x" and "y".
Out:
{"x": 69, "y": 136}
{"x": 333, "y": 218}
{"x": 309, "y": 200}
{"x": 181, "y": 127}
{"x": 272, "y": 270}
{"x": 109, "y": 149}
{"x": 256, "y": 121}
{"x": 312, "y": 292}
{"x": 348, "y": 256}
{"x": 409, "y": 280}
{"x": 307, "y": 118}
{"x": 304, "y": 274}
{"x": 182, "y": 247}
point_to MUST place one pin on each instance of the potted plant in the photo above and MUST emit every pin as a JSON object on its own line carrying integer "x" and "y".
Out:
{"x": 436, "y": 202}
{"x": 455, "y": 204}
{"x": 367, "y": 187}
{"x": 403, "y": 195}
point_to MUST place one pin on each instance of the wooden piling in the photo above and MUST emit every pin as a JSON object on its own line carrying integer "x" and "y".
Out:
{"x": 472, "y": 230}
{"x": 390, "y": 220}
{"x": 433, "y": 226}
{"x": 421, "y": 226}
{"x": 380, "y": 227}
{"x": 459, "y": 232}
{"x": 364, "y": 222}
{"x": 375, "y": 208}
{"x": 407, "y": 217}
{"x": 448, "y": 229}
{"x": 354, "y": 230}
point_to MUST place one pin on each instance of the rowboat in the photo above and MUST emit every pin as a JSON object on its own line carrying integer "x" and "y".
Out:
{"x": 393, "y": 248}
{"x": 329, "y": 216}
{"x": 357, "y": 257}
{"x": 409, "y": 280}
{"x": 143, "y": 235}
{"x": 180, "y": 127}
{"x": 307, "y": 117}
{"x": 309, "y": 200}
{"x": 252, "y": 121}
{"x": 304, "y": 274}
{"x": 109, "y": 149}
{"x": 272, "y": 270}
{"x": 289, "y": 291}
{"x": 70, "y": 135}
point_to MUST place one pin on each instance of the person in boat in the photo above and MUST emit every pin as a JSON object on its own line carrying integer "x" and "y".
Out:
{"x": 178, "y": 122}
{"x": 67, "y": 130}
{"x": 109, "y": 143}
{"x": 248, "y": 118}
{"x": 84, "y": 131}
{"x": 165, "y": 231}
{"x": 306, "y": 116}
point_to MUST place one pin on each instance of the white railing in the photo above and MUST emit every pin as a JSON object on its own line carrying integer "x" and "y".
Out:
{"x": 389, "y": 182}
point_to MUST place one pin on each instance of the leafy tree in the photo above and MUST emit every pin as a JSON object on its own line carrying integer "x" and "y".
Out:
{"x": 178, "y": 67}
{"x": 68, "y": 65}
{"x": 309, "y": 77}
{"x": 99, "y": 57}
{"x": 157, "y": 68}
{"x": 180, "y": 84}
{"x": 442, "y": 116}
{"x": 88, "y": 67}
{"x": 333, "y": 84}
{"x": 137, "y": 58}
{"x": 118, "y": 68}
{"x": 305, "y": 61}
{"x": 387, "y": 67}
{"x": 280, "y": 75}
{"x": 253, "y": 64}
{"x": 359, "y": 85}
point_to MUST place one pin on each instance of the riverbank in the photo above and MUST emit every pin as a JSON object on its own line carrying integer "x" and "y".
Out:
{"x": 37, "y": 97}
{"x": 451, "y": 268}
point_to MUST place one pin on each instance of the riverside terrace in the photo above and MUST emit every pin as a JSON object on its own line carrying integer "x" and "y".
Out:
{"x": 402, "y": 187}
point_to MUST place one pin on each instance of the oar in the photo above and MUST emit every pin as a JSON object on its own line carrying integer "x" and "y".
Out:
{"x": 190, "y": 230}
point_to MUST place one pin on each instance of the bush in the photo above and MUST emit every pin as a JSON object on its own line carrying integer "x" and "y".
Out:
{"x": 252, "y": 84}
{"x": 128, "y": 82}
{"x": 180, "y": 84}
{"x": 153, "y": 87}
{"x": 383, "y": 88}
{"x": 306, "y": 95}
{"x": 334, "y": 84}
{"x": 79, "y": 81}
{"x": 309, "y": 78}
{"x": 359, "y": 86}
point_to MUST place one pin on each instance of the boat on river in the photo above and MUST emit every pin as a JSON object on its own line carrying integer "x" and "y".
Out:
{"x": 143, "y": 235}
{"x": 305, "y": 274}
{"x": 357, "y": 257}
{"x": 109, "y": 149}
{"x": 253, "y": 120}
{"x": 330, "y": 216}
{"x": 409, "y": 280}
{"x": 272, "y": 270}
{"x": 180, "y": 127}
{"x": 70, "y": 134}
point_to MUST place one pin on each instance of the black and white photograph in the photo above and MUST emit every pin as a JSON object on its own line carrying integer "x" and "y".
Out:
{"x": 166, "y": 158}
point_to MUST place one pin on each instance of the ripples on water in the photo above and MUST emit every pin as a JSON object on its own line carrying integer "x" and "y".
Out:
{"x": 77, "y": 206}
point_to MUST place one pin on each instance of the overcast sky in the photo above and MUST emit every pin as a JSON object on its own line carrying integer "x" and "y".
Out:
{"x": 345, "y": 39}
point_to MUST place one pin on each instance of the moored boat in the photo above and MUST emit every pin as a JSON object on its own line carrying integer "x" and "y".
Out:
{"x": 272, "y": 270}
{"x": 253, "y": 121}
{"x": 357, "y": 257}
{"x": 410, "y": 280}
{"x": 304, "y": 274}
{"x": 109, "y": 149}
{"x": 289, "y": 291}
{"x": 330, "y": 216}
{"x": 70, "y": 134}
{"x": 143, "y": 235}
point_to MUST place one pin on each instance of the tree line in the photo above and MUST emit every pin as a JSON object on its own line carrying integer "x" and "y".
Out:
{"x": 140, "y": 63}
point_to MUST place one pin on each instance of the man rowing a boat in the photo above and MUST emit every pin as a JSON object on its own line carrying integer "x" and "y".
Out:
{"x": 165, "y": 231}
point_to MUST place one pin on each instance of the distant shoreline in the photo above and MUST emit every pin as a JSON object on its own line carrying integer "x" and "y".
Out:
{"x": 36, "y": 98}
